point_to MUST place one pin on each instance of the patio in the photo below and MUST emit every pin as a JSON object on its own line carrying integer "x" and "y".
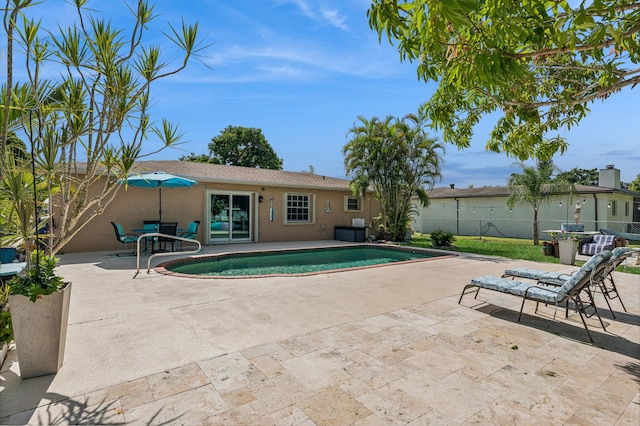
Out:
{"x": 386, "y": 345}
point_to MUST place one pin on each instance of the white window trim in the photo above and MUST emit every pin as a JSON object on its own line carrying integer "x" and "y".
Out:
{"x": 346, "y": 203}
{"x": 312, "y": 208}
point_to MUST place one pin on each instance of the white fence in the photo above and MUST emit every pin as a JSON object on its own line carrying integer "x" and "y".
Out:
{"x": 511, "y": 228}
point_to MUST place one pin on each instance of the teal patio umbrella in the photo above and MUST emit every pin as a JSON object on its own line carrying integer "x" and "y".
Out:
{"x": 158, "y": 180}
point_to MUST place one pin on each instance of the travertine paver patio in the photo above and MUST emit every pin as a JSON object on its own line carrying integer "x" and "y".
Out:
{"x": 380, "y": 346}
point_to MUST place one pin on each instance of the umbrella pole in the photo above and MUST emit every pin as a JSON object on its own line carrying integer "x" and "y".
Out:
{"x": 160, "y": 202}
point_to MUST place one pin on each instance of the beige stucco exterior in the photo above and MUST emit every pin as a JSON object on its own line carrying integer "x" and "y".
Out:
{"x": 264, "y": 189}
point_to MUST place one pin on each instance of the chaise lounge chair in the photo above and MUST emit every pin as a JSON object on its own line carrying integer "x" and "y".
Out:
{"x": 607, "y": 284}
{"x": 569, "y": 291}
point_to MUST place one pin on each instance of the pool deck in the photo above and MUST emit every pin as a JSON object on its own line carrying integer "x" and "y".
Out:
{"x": 380, "y": 346}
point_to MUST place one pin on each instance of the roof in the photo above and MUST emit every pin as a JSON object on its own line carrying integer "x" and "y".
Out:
{"x": 206, "y": 172}
{"x": 503, "y": 191}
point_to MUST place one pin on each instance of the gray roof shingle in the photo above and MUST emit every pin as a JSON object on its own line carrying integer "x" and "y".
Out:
{"x": 205, "y": 172}
{"x": 503, "y": 191}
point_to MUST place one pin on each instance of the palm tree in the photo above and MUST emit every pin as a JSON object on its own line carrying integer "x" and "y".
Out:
{"x": 535, "y": 187}
{"x": 397, "y": 158}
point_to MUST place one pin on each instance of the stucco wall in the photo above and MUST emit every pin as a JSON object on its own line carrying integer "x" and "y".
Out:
{"x": 134, "y": 205}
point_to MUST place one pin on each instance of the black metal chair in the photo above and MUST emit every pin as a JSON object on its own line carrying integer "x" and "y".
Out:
{"x": 150, "y": 226}
{"x": 168, "y": 228}
{"x": 122, "y": 237}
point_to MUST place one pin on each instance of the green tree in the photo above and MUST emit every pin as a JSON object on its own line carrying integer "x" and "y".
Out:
{"x": 92, "y": 119}
{"x": 534, "y": 187}
{"x": 201, "y": 158}
{"x": 397, "y": 158}
{"x": 535, "y": 64}
{"x": 635, "y": 184}
{"x": 581, "y": 176}
{"x": 240, "y": 146}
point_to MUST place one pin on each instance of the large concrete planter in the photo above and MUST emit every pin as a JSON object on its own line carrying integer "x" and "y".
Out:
{"x": 568, "y": 250}
{"x": 40, "y": 331}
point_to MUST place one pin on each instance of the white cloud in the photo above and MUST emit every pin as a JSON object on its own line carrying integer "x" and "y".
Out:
{"x": 334, "y": 17}
{"x": 309, "y": 60}
{"x": 325, "y": 16}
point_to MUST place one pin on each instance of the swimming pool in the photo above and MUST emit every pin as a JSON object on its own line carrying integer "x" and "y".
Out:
{"x": 292, "y": 262}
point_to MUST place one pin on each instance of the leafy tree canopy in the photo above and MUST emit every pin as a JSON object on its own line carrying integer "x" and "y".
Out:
{"x": 537, "y": 64}
{"x": 240, "y": 146}
{"x": 635, "y": 184}
{"x": 201, "y": 158}
{"x": 581, "y": 176}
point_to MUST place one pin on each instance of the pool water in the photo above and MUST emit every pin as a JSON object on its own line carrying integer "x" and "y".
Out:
{"x": 297, "y": 261}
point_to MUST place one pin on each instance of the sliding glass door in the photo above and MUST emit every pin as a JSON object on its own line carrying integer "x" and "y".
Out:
{"x": 230, "y": 216}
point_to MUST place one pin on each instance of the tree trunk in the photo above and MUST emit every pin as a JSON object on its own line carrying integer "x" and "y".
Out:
{"x": 535, "y": 226}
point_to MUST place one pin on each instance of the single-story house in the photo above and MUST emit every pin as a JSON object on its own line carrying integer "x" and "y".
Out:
{"x": 234, "y": 205}
{"x": 484, "y": 211}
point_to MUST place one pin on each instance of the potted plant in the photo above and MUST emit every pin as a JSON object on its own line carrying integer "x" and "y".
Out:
{"x": 39, "y": 302}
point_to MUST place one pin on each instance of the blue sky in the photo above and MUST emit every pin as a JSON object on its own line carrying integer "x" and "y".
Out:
{"x": 304, "y": 70}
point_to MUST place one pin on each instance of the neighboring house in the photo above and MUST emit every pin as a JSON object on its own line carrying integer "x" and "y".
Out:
{"x": 233, "y": 204}
{"x": 484, "y": 211}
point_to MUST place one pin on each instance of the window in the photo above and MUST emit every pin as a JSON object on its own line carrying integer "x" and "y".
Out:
{"x": 298, "y": 208}
{"x": 352, "y": 204}
{"x": 626, "y": 208}
{"x": 614, "y": 208}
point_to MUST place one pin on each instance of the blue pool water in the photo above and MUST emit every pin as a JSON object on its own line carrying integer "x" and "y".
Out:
{"x": 297, "y": 261}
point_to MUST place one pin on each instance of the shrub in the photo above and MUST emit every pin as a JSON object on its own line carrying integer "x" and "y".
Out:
{"x": 440, "y": 238}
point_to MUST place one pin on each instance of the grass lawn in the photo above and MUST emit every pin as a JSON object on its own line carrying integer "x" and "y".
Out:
{"x": 513, "y": 248}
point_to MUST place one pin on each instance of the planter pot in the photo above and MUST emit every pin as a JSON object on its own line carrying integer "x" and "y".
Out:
{"x": 40, "y": 331}
{"x": 568, "y": 250}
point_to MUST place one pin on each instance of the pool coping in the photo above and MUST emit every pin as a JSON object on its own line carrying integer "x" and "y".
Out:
{"x": 162, "y": 267}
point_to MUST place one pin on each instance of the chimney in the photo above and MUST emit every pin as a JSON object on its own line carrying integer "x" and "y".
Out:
{"x": 452, "y": 185}
{"x": 609, "y": 177}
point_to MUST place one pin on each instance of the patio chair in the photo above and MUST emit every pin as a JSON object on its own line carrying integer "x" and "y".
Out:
{"x": 569, "y": 291}
{"x": 150, "y": 226}
{"x": 168, "y": 228}
{"x": 597, "y": 243}
{"x": 122, "y": 237}
{"x": 606, "y": 284}
{"x": 191, "y": 232}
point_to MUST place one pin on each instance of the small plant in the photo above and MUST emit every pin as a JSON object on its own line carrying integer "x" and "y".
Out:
{"x": 6, "y": 328}
{"x": 440, "y": 238}
{"x": 41, "y": 279}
